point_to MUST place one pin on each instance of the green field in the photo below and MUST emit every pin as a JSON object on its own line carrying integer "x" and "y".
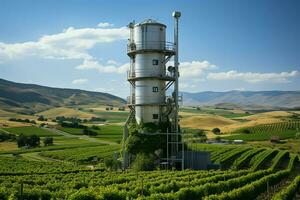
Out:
{"x": 110, "y": 116}
{"x": 59, "y": 143}
{"x": 73, "y": 168}
{"x": 112, "y": 133}
{"x": 73, "y": 131}
{"x": 84, "y": 155}
{"x": 30, "y": 130}
{"x": 283, "y": 130}
{"x": 47, "y": 180}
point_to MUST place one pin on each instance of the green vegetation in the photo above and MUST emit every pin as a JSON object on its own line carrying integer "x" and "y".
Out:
{"x": 111, "y": 116}
{"x": 289, "y": 192}
{"x": 4, "y": 136}
{"x": 48, "y": 141}
{"x": 69, "y": 179}
{"x": 22, "y": 120}
{"x": 113, "y": 133}
{"x": 283, "y": 130}
{"x": 73, "y": 131}
{"x": 60, "y": 143}
{"x": 85, "y": 154}
{"x": 14, "y": 166}
{"x": 30, "y": 130}
{"x": 251, "y": 190}
{"x": 79, "y": 166}
{"x": 30, "y": 141}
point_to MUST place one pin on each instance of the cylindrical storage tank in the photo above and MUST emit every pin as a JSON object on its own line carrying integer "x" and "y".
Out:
{"x": 147, "y": 114}
{"x": 148, "y": 45}
{"x": 149, "y": 92}
{"x": 150, "y": 65}
{"x": 150, "y": 35}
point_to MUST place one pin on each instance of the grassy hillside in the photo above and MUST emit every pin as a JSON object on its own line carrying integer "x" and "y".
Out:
{"x": 67, "y": 112}
{"x": 30, "y": 98}
{"x": 246, "y": 99}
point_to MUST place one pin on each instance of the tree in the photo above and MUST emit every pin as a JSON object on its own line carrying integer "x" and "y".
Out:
{"x": 42, "y": 118}
{"x": 95, "y": 127}
{"x": 216, "y": 131}
{"x": 143, "y": 162}
{"x": 21, "y": 140}
{"x": 246, "y": 131}
{"x": 48, "y": 141}
{"x": 89, "y": 132}
{"x": 33, "y": 141}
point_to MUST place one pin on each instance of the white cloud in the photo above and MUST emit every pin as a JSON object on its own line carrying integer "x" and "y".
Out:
{"x": 194, "y": 69}
{"x": 113, "y": 62}
{"x": 80, "y": 81}
{"x": 112, "y": 68}
{"x": 71, "y": 43}
{"x": 186, "y": 86}
{"x": 105, "y": 24}
{"x": 253, "y": 77}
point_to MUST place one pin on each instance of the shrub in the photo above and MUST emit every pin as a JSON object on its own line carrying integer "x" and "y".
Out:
{"x": 3, "y": 194}
{"x": 42, "y": 118}
{"x": 216, "y": 131}
{"x": 246, "y": 131}
{"x": 143, "y": 162}
{"x": 21, "y": 140}
{"x": 112, "y": 164}
{"x": 83, "y": 195}
{"x": 48, "y": 141}
{"x": 7, "y": 136}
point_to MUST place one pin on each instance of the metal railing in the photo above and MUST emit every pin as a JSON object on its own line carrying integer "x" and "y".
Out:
{"x": 167, "y": 74}
{"x": 131, "y": 99}
{"x": 150, "y": 45}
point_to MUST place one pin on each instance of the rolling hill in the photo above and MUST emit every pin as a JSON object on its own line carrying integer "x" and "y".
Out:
{"x": 31, "y": 98}
{"x": 247, "y": 99}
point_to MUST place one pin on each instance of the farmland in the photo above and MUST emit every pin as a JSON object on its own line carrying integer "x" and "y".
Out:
{"x": 283, "y": 130}
{"x": 68, "y": 181}
{"x": 74, "y": 166}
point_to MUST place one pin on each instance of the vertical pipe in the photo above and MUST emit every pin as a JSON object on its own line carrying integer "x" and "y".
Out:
{"x": 176, "y": 16}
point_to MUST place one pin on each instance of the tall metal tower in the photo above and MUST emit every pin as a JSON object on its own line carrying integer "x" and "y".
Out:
{"x": 149, "y": 80}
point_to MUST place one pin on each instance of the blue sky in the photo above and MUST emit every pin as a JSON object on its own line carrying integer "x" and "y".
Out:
{"x": 224, "y": 45}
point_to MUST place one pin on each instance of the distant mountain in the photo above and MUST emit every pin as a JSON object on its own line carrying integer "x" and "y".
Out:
{"x": 31, "y": 98}
{"x": 249, "y": 99}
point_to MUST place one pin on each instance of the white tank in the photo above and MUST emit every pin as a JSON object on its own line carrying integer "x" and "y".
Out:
{"x": 148, "y": 50}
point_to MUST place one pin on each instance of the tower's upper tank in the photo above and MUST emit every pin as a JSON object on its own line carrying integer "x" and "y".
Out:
{"x": 149, "y": 34}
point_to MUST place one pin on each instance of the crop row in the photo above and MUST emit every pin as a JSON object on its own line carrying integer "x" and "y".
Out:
{"x": 288, "y": 192}
{"x": 227, "y": 156}
{"x": 251, "y": 190}
{"x": 84, "y": 155}
{"x": 241, "y": 161}
{"x": 259, "y": 159}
